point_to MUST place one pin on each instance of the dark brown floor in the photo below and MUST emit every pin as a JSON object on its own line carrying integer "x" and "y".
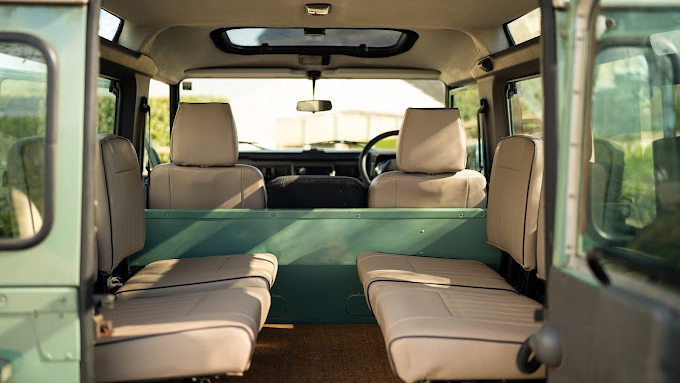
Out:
{"x": 319, "y": 353}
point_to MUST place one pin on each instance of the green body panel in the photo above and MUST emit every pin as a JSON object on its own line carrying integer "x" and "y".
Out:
{"x": 40, "y": 333}
{"x": 62, "y": 28}
{"x": 317, "y": 249}
{"x": 565, "y": 52}
{"x": 39, "y": 326}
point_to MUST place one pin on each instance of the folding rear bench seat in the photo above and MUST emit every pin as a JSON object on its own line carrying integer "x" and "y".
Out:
{"x": 455, "y": 319}
{"x": 175, "y": 318}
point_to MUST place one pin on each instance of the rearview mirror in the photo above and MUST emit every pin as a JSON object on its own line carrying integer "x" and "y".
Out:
{"x": 314, "y": 106}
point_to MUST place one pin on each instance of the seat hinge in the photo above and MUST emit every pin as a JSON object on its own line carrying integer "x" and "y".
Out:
{"x": 104, "y": 328}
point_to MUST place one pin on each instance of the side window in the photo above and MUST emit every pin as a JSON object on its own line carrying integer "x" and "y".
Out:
{"x": 23, "y": 129}
{"x": 157, "y": 138}
{"x": 466, "y": 99}
{"x": 107, "y": 102}
{"x": 525, "y": 106}
{"x": 633, "y": 173}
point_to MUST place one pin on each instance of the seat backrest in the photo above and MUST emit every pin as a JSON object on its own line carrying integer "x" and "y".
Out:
{"x": 514, "y": 194}
{"x": 25, "y": 176}
{"x": 121, "y": 227}
{"x": 203, "y": 173}
{"x": 431, "y": 156}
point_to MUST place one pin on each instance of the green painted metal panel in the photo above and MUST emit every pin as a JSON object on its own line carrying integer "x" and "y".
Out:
{"x": 39, "y": 326}
{"x": 317, "y": 249}
{"x": 40, "y": 333}
{"x": 56, "y": 260}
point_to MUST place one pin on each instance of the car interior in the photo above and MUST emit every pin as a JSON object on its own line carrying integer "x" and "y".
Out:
{"x": 344, "y": 191}
{"x": 392, "y": 232}
{"x": 240, "y": 251}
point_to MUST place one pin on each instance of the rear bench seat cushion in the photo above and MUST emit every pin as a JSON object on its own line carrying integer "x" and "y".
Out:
{"x": 376, "y": 267}
{"x": 191, "y": 275}
{"x": 182, "y": 336}
{"x": 453, "y": 333}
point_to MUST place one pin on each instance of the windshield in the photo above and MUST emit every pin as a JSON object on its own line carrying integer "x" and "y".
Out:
{"x": 266, "y": 115}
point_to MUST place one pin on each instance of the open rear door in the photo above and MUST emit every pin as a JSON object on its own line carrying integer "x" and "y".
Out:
{"x": 612, "y": 89}
{"x": 49, "y": 61}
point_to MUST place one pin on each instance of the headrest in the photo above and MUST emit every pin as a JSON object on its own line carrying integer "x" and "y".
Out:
{"x": 514, "y": 195}
{"x": 431, "y": 141}
{"x": 204, "y": 135}
{"x": 121, "y": 228}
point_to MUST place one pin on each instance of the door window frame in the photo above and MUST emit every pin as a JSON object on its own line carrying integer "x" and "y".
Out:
{"x": 50, "y": 139}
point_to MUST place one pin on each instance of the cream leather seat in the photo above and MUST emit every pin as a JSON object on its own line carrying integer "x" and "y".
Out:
{"x": 121, "y": 232}
{"x": 449, "y": 319}
{"x": 431, "y": 156}
{"x": 203, "y": 173}
{"x": 188, "y": 319}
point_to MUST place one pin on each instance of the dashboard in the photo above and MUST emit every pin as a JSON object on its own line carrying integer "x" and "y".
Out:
{"x": 278, "y": 163}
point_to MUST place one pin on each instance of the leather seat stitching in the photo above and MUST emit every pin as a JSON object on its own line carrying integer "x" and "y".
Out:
{"x": 196, "y": 283}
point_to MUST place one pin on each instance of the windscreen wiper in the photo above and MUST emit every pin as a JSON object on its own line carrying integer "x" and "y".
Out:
{"x": 346, "y": 142}
{"x": 253, "y": 144}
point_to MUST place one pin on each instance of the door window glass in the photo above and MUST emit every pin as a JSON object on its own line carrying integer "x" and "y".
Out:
{"x": 107, "y": 103}
{"x": 525, "y": 106}
{"x": 23, "y": 111}
{"x": 466, "y": 99}
{"x": 633, "y": 195}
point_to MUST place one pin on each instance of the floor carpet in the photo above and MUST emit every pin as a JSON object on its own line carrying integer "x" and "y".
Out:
{"x": 319, "y": 353}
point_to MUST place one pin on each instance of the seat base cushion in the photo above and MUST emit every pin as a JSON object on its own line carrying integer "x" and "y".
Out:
{"x": 211, "y": 333}
{"x": 453, "y": 333}
{"x": 191, "y": 275}
{"x": 375, "y": 267}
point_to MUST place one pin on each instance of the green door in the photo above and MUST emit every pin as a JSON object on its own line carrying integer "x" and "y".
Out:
{"x": 612, "y": 86}
{"x": 48, "y": 63}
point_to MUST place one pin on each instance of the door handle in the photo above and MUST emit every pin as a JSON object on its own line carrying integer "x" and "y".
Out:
{"x": 5, "y": 370}
{"x": 546, "y": 347}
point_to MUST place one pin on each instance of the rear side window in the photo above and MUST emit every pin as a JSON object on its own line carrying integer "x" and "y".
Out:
{"x": 23, "y": 130}
{"x": 110, "y": 25}
{"x": 157, "y": 139}
{"x": 466, "y": 99}
{"x": 525, "y": 106}
{"x": 524, "y": 28}
{"x": 107, "y": 103}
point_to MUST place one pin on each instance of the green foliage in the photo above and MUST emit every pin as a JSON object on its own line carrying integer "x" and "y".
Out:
{"x": 106, "y": 115}
{"x": 387, "y": 143}
{"x": 638, "y": 184}
{"x": 467, "y": 100}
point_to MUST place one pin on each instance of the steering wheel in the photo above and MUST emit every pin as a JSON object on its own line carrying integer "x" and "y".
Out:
{"x": 365, "y": 177}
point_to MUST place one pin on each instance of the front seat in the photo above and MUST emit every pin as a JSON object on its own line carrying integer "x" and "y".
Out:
{"x": 431, "y": 156}
{"x": 203, "y": 173}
